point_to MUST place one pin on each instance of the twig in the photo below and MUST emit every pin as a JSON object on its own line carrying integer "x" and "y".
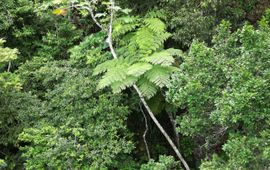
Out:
{"x": 90, "y": 10}
{"x": 109, "y": 39}
{"x": 145, "y": 132}
{"x": 9, "y": 66}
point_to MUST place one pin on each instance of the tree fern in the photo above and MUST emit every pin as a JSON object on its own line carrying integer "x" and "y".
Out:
{"x": 124, "y": 25}
{"x": 146, "y": 41}
{"x": 103, "y": 67}
{"x": 142, "y": 59}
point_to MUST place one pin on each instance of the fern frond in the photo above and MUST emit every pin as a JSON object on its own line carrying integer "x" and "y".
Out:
{"x": 112, "y": 75}
{"x": 103, "y": 67}
{"x": 160, "y": 13}
{"x": 155, "y": 25}
{"x": 146, "y": 40}
{"x": 124, "y": 25}
{"x": 163, "y": 58}
{"x": 161, "y": 38}
{"x": 138, "y": 69}
{"x": 147, "y": 88}
{"x": 160, "y": 75}
{"x": 119, "y": 86}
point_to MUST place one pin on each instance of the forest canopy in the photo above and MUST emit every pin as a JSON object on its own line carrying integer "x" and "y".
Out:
{"x": 133, "y": 84}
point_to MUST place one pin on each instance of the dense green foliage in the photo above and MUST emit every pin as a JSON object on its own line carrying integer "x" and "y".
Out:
{"x": 83, "y": 129}
{"x": 225, "y": 92}
{"x": 66, "y": 103}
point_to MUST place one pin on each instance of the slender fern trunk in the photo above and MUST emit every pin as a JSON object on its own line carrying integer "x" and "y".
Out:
{"x": 151, "y": 114}
{"x": 144, "y": 134}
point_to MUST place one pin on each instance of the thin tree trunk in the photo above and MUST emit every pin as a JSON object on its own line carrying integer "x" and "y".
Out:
{"x": 145, "y": 132}
{"x": 9, "y": 66}
{"x": 176, "y": 134}
{"x": 151, "y": 114}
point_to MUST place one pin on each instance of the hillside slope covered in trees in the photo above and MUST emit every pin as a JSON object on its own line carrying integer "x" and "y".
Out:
{"x": 133, "y": 84}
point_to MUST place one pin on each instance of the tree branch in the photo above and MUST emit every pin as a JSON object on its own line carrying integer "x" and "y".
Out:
{"x": 151, "y": 114}
{"x": 109, "y": 39}
{"x": 90, "y": 10}
{"x": 9, "y": 66}
{"x": 145, "y": 132}
{"x": 176, "y": 134}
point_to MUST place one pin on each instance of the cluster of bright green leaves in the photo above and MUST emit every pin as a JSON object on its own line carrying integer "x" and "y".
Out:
{"x": 7, "y": 55}
{"x": 225, "y": 92}
{"x": 14, "y": 104}
{"x": 38, "y": 32}
{"x": 142, "y": 59}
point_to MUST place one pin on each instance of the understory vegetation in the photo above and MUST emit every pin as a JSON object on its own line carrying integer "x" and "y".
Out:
{"x": 135, "y": 84}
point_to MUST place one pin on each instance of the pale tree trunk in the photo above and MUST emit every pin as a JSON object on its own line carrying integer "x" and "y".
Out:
{"x": 145, "y": 132}
{"x": 151, "y": 114}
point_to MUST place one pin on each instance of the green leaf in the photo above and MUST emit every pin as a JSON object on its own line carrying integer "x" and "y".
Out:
{"x": 138, "y": 69}
{"x": 159, "y": 75}
{"x": 112, "y": 75}
{"x": 101, "y": 68}
{"x": 163, "y": 58}
{"x": 155, "y": 25}
{"x": 119, "y": 86}
{"x": 147, "y": 88}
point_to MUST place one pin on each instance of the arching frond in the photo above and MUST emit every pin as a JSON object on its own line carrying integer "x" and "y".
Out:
{"x": 124, "y": 25}
{"x": 112, "y": 75}
{"x": 147, "y": 88}
{"x": 163, "y": 58}
{"x": 103, "y": 67}
{"x": 155, "y": 25}
{"x": 138, "y": 69}
{"x": 160, "y": 75}
{"x": 118, "y": 86}
{"x": 145, "y": 39}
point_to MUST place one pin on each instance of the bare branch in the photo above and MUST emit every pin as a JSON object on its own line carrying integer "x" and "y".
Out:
{"x": 151, "y": 114}
{"x": 176, "y": 134}
{"x": 145, "y": 132}
{"x": 109, "y": 39}
{"x": 9, "y": 66}
{"x": 90, "y": 10}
